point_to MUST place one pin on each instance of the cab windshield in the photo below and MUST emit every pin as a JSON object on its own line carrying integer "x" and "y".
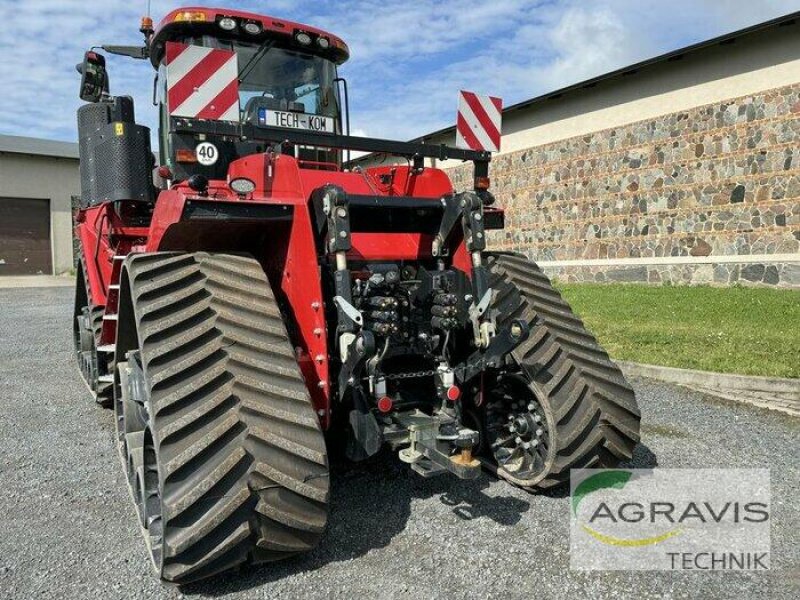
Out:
{"x": 277, "y": 87}
{"x": 282, "y": 79}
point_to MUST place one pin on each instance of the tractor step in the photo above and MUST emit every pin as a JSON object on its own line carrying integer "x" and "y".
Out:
{"x": 106, "y": 379}
{"x": 110, "y": 348}
{"x": 109, "y": 317}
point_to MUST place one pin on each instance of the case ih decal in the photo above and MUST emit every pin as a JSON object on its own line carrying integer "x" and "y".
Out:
{"x": 202, "y": 83}
{"x": 478, "y": 123}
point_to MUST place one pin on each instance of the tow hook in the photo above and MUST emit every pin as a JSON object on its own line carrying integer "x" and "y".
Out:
{"x": 466, "y": 442}
{"x": 429, "y": 453}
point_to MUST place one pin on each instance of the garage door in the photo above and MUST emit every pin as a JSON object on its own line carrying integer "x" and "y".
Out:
{"x": 25, "y": 237}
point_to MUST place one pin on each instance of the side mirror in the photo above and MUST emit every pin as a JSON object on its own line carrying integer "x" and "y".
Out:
{"x": 94, "y": 78}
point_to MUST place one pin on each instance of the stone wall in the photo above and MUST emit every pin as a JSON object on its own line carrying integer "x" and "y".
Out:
{"x": 716, "y": 181}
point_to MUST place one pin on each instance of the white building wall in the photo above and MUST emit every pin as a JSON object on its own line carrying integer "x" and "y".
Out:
{"x": 56, "y": 179}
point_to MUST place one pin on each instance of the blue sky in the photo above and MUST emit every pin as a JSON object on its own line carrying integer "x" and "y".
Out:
{"x": 409, "y": 57}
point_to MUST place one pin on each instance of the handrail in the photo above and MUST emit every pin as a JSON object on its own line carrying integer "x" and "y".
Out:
{"x": 304, "y": 137}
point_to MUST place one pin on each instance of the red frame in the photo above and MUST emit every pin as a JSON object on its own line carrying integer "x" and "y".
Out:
{"x": 288, "y": 255}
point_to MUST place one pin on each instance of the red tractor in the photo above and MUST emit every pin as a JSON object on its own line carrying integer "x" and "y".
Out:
{"x": 249, "y": 292}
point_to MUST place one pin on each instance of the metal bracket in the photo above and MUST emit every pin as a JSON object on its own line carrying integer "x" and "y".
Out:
{"x": 468, "y": 207}
{"x": 452, "y": 211}
{"x": 472, "y": 222}
{"x": 335, "y": 207}
{"x": 358, "y": 353}
{"x": 476, "y": 311}
{"x": 482, "y": 319}
{"x": 348, "y": 309}
{"x": 506, "y": 340}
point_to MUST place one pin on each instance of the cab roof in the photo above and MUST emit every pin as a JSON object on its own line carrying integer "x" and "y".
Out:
{"x": 205, "y": 21}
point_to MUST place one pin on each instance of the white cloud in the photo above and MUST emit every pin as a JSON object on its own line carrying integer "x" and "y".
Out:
{"x": 588, "y": 41}
{"x": 380, "y": 30}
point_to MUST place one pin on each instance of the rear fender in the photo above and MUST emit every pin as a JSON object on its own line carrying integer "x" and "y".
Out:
{"x": 290, "y": 259}
{"x": 280, "y": 235}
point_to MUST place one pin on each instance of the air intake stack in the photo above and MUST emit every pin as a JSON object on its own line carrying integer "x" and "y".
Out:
{"x": 116, "y": 161}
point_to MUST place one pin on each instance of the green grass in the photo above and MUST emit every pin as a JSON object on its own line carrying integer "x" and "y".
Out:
{"x": 753, "y": 331}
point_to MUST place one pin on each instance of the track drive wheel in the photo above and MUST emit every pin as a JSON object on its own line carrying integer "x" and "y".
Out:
{"x": 561, "y": 403}
{"x": 86, "y": 327}
{"x": 222, "y": 447}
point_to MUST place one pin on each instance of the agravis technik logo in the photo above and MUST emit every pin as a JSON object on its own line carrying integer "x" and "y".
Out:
{"x": 673, "y": 519}
{"x": 615, "y": 480}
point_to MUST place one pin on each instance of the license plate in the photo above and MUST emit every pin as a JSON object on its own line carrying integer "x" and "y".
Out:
{"x": 293, "y": 120}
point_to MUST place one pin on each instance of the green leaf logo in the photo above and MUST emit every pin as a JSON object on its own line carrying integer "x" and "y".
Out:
{"x": 612, "y": 480}
{"x": 599, "y": 481}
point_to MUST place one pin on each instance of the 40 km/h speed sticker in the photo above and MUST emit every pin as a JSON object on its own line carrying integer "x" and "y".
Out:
{"x": 207, "y": 153}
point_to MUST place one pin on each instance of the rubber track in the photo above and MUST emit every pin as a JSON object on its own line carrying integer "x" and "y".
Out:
{"x": 242, "y": 461}
{"x": 594, "y": 415}
{"x": 104, "y": 392}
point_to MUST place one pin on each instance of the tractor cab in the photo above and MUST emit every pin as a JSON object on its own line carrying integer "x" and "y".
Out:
{"x": 247, "y": 69}
{"x": 219, "y": 67}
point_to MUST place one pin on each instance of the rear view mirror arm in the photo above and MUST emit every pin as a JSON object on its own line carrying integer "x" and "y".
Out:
{"x": 137, "y": 52}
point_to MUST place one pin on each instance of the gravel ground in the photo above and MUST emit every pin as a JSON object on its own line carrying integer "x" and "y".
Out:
{"x": 67, "y": 527}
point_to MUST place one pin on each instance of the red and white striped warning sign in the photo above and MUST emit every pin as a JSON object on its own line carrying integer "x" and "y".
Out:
{"x": 479, "y": 121}
{"x": 202, "y": 83}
